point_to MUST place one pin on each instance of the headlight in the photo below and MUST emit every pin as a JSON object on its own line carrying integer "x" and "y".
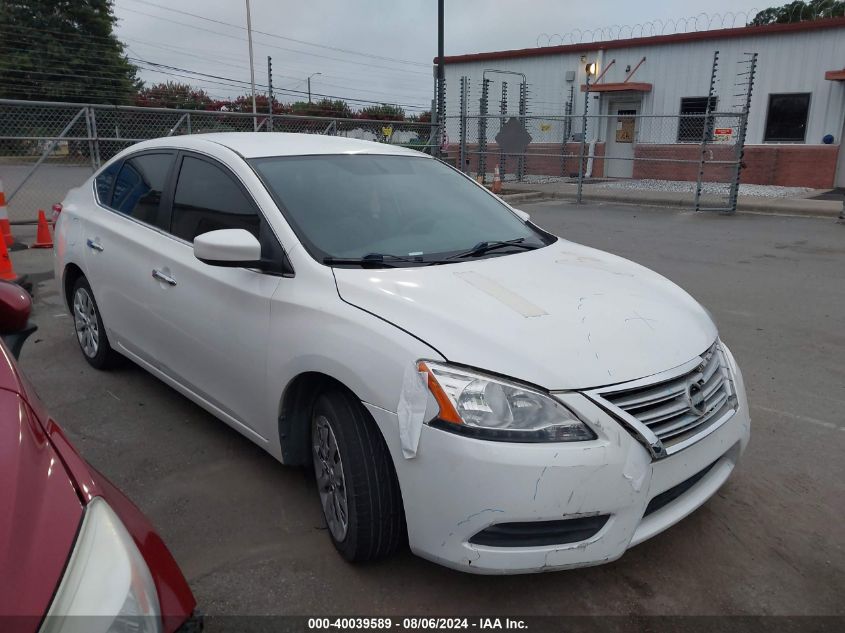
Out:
{"x": 492, "y": 408}
{"x": 107, "y": 587}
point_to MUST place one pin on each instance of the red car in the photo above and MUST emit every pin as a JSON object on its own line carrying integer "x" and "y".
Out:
{"x": 75, "y": 553}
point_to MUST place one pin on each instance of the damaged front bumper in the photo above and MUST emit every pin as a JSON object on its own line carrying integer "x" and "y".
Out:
{"x": 498, "y": 508}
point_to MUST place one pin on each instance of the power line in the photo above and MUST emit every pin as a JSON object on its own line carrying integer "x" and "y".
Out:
{"x": 283, "y": 37}
{"x": 74, "y": 38}
{"x": 281, "y": 48}
{"x": 232, "y": 84}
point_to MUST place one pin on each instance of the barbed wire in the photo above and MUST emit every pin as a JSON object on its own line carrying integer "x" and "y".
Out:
{"x": 701, "y": 22}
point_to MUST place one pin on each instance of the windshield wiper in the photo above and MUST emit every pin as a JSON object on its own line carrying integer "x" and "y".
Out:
{"x": 371, "y": 259}
{"x": 483, "y": 248}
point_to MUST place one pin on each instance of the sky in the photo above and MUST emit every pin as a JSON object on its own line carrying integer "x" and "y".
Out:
{"x": 367, "y": 50}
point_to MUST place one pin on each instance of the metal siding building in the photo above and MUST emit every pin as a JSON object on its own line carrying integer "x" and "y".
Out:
{"x": 793, "y": 58}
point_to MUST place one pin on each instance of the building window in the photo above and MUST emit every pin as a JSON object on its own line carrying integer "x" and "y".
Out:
{"x": 787, "y": 118}
{"x": 691, "y": 123}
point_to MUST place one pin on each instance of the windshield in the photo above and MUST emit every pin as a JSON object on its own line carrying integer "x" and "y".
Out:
{"x": 410, "y": 209}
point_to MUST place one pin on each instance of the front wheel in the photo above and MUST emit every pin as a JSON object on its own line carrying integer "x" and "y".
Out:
{"x": 88, "y": 324}
{"x": 359, "y": 492}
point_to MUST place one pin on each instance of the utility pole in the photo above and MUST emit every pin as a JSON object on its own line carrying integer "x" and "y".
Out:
{"x": 251, "y": 68}
{"x": 270, "y": 93}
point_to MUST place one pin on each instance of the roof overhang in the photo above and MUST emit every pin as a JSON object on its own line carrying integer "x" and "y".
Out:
{"x": 630, "y": 86}
{"x": 835, "y": 75}
{"x": 652, "y": 40}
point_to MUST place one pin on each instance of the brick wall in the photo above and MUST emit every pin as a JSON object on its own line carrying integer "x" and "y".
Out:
{"x": 791, "y": 165}
{"x": 786, "y": 165}
{"x": 541, "y": 159}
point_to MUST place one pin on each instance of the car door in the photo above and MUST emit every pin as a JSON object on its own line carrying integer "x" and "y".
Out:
{"x": 118, "y": 251}
{"x": 214, "y": 321}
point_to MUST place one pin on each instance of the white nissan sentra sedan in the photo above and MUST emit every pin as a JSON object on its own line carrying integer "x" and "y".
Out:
{"x": 505, "y": 399}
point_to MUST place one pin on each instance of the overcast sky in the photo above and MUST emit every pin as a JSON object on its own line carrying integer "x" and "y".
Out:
{"x": 387, "y": 46}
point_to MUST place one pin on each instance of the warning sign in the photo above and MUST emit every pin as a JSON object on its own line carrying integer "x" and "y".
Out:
{"x": 723, "y": 134}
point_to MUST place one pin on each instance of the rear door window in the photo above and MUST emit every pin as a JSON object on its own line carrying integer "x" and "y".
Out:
{"x": 207, "y": 198}
{"x": 139, "y": 186}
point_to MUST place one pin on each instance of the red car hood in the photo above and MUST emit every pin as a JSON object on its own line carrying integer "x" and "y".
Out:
{"x": 40, "y": 510}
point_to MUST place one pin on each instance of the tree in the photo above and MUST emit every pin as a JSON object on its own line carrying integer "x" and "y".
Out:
{"x": 383, "y": 112}
{"x": 325, "y": 108}
{"x": 799, "y": 11}
{"x": 243, "y": 103}
{"x": 174, "y": 95}
{"x": 63, "y": 50}
{"x": 422, "y": 117}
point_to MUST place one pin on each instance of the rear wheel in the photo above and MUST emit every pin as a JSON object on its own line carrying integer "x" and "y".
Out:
{"x": 88, "y": 324}
{"x": 359, "y": 492}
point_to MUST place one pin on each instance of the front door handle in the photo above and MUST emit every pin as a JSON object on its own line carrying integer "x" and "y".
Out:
{"x": 96, "y": 246}
{"x": 160, "y": 276}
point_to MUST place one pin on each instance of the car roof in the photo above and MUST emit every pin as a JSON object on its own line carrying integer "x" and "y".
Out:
{"x": 263, "y": 144}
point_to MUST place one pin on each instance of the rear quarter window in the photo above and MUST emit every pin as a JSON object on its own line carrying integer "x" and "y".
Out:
{"x": 104, "y": 181}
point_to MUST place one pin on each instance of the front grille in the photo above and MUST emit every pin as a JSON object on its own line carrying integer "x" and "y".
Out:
{"x": 679, "y": 408}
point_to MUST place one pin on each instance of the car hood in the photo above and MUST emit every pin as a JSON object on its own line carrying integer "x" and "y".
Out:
{"x": 41, "y": 511}
{"x": 562, "y": 317}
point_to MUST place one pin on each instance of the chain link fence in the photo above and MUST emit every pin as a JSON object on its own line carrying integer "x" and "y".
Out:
{"x": 598, "y": 149}
{"x": 48, "y": 148}
{"x": 600, "y": 137}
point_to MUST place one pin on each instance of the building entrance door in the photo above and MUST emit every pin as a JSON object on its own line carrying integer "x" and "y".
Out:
{"x": 621, "y": 137}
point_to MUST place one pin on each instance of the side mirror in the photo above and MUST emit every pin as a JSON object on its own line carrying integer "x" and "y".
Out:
{"x": 525, "y": 217}
{"x": 15, "y": 308}
{"x": 228, "y": 247}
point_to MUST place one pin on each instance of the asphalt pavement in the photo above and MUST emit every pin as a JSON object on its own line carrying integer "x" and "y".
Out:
{"x": 248, "y": 532}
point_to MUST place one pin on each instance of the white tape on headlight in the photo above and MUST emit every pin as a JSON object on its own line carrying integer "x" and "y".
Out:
{"x": 411, "y": 409}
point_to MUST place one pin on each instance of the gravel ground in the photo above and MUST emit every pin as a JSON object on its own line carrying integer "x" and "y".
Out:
{"x": 683, "y": 186}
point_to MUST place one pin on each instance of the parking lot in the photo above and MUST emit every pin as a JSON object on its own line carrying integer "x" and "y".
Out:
{"x": 248, "y": 533}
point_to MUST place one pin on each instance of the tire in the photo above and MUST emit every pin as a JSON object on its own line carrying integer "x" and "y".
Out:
{"x": 89, "y": 329}
{"x": 375, "y": 520}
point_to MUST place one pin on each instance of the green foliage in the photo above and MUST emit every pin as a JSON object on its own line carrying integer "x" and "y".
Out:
{"x": 383, "y": 112}
{"x": 422, "y": 117}
{"x": 324, "y": 107}
{"x": 800, "y": 11}
{"x": 63, "y": 50}
{"x": 174, "y": 95}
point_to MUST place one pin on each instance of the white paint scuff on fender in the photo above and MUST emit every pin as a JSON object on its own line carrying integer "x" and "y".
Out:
{"x": 635, "y": 469}
{"x": 411, "y": 409}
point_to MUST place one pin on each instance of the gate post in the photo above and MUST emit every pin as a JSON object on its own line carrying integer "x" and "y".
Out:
{"x": 482, "y": 130}
{"x": 462, "y": 125}
{"x": 503, "y": 110}
{"x": 705, "y": 130}
{"x": 90, "y": 131}
{"x": 739, "y": 148}
{"x": 523, "y": 110}
{"x": 583, "y": 139}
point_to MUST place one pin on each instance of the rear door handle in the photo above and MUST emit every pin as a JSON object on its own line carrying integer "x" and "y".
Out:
{"x": 160, "y": 276}
{"x": 96, "y": 246}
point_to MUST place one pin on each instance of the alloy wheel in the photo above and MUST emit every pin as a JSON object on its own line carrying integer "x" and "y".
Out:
{"x": 331, "y": 483}
{"x": 85, "y": 322}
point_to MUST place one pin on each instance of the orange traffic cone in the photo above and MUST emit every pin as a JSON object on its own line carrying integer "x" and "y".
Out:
{"x": 7, "y": 271}
{"x": 5, "y": 228}
{"x": 43, "y": 239}
{"x": 497, "y": 181}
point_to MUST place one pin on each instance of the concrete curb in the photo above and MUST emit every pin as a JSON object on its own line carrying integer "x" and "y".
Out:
{"x": 765, "y": 206}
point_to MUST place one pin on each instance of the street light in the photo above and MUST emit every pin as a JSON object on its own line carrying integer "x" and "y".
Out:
{"x": 309, "y": 85}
